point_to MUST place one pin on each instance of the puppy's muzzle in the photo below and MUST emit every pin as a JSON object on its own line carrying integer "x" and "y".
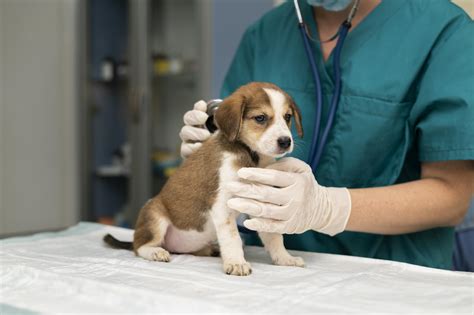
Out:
{"x": 284, "y": 143}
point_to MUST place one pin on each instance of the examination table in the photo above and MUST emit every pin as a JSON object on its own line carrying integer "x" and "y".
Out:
{"x": 73, "y": 271}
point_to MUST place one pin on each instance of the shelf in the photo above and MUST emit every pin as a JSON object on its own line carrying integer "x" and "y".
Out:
{"x": 112, "y": 171}
{"x": 184, "y": 75}
{"x": 121, "y": 80}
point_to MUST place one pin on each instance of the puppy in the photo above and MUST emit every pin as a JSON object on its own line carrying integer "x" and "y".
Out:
{"x": 190, "y": 214}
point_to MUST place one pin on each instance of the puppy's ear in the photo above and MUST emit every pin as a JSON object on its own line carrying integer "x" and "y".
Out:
{"x": 229, "y": 116}
{"x": 297, "y": 116}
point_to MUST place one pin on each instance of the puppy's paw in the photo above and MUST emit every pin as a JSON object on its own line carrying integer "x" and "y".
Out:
{"x": 161, "y": 255}
{"x": 154, "y": 253}
{"x": 289, "y": 261}
{"x": 239, "y": 269}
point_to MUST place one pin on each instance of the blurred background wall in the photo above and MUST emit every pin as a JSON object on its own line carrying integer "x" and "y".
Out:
{"x": 92, "y": 94}
{"x": 39, "y": 160}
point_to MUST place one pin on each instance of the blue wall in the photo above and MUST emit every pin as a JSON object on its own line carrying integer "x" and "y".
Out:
{"x": 230, "y": 20}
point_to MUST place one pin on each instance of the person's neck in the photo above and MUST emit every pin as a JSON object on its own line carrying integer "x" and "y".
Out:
{"x": 331, "y": 20}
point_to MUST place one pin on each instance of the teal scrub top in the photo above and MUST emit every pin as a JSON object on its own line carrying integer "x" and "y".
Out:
{"x": 407, "y": 98}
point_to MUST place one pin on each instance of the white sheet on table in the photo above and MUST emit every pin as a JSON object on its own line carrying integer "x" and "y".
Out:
{"x": 73, "y": 271}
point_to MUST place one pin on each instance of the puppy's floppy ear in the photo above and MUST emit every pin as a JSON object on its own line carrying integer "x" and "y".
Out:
{"x": 229, "y": 116}
{"x": 297, "y": 116}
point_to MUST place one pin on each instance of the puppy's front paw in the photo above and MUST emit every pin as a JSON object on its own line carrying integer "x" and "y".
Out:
{"x": 289, "y": 261}
{"x": 240, "y": 269}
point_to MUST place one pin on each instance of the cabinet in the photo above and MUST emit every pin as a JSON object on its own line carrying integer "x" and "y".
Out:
{"x": 39, "y": 98}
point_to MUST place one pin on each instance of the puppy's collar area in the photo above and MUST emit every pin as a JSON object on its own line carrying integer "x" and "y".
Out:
{"x": 253, "y": 155}
{"x": 237, "y": 146}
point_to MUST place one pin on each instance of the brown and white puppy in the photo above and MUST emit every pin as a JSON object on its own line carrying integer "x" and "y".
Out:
{"x": 190, "y": 214}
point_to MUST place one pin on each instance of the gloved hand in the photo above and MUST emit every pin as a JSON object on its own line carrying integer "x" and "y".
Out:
{"x": 194, "y": 133}
{"x": 285, "y": 198}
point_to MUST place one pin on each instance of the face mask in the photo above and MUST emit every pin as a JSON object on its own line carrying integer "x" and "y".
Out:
{"x": 330, "y": 5}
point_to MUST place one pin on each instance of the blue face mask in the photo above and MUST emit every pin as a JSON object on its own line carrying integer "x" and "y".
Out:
{"x": 330, "y": 5}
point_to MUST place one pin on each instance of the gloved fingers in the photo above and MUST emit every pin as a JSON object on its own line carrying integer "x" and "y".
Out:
{"x": 259, "y": 209}
{"x": 189, "y": 133}
{"x": 195, "y": 118}
{"x": 201, "y": 106}
{"x": 188, "y": 148}
{"x": 267, "y": 176}
{"x": 266, "y": 225}
{"x": 290, "y": 164}
{"x": 259, "y": 192}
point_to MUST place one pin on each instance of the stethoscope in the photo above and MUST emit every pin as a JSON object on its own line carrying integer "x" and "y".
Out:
{"x": 317, "y": 145}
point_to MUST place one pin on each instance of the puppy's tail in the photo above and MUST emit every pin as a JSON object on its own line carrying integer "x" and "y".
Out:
{"x": 115, "y": 243}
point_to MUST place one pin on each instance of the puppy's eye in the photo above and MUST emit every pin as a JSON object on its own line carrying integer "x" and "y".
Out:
{"x": 260, "y": 118}
{"x": 287, "y": 117}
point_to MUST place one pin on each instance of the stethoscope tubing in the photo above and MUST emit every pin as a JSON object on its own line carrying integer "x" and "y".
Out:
{"x": 315, "y": 159}
{"x": 317, "y": 87}
{"x": 317, "y": 144}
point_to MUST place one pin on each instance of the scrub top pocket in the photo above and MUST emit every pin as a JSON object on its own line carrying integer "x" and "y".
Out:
{"x": 367, "y": 144}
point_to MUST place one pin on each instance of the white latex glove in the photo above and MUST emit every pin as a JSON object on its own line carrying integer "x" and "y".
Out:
{"x": 194, "y": 133}
{"x": 285, "y": 198}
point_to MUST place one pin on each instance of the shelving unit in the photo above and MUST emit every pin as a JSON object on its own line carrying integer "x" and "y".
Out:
{"x": 165, "y": 49}
{"x": 107, "y": 103}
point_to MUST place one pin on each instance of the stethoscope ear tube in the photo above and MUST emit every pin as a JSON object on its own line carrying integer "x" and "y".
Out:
{"x": 318, "y": 91}
{"x": 317, "y": 145}
{"x": 336, "y": 95}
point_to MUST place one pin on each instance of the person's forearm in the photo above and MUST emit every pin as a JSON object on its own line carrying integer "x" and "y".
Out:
{"x": 409, "y": 207}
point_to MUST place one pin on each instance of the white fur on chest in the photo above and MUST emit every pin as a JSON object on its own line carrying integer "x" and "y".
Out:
{"x": 227, "y": 174}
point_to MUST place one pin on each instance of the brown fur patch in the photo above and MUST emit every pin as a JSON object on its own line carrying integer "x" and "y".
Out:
{"x": 228, "y": 116}
{"x": 190, "y": 193}
{"x": 260, "y": 105}
{"x": 298, "y": 118}
{"x": 147, "y": 224}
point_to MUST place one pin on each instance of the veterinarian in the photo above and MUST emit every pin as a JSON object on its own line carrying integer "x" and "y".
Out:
{"x": 401, "y": 149}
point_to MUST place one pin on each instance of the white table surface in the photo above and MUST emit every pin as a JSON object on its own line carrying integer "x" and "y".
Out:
{"x": 73, "y": 271}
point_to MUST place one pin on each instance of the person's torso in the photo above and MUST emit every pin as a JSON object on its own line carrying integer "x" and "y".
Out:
{"x": 372, "y": 141}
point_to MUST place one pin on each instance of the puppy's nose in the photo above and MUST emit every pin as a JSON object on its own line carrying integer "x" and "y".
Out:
{"x": 284, "y": 142}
